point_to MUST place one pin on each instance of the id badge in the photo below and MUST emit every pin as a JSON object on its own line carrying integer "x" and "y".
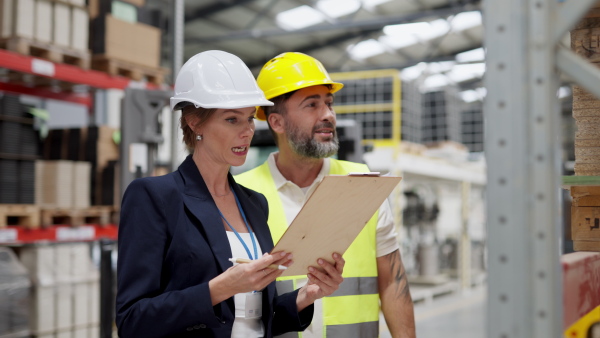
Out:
{"x": 253, "y": 305}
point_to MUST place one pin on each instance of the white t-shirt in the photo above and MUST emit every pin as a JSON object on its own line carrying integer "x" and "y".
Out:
{"x": 293, "y": 198}
{"x": 243, "y": 327}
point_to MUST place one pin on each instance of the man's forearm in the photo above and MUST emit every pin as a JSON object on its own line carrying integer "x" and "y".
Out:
{"x": 396, "y": 302}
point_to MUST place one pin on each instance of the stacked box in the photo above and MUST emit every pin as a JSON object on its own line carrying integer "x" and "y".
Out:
{"x": 43, "y": 21}
{"x": 66, "y": 293}
{"x": 61, "y": 25}
{"x": 101, "y": 151}
{"x": 96, "y": 146}
{"x": 26, "y": 182}
{"x": 81, "y": 184}
{"x": 10, "y": 133}
{"x": 9, "y": 176}
{"x": 14, "y": 295}
{"x": 126, "y": 41}
{"x": 55, "y": 184}
{"x": 15, "y": 20}
{"x": 79, "y": 37}
{"x": 122, "y": 31}
{"x": 585, "y": 218}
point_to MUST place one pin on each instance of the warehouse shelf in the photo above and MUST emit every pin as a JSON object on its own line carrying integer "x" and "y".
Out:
{"x": 59, "y": 72}
{"x": 16, "y": 235}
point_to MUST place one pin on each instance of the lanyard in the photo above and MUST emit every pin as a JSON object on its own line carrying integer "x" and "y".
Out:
{"x": 247, "y": 227}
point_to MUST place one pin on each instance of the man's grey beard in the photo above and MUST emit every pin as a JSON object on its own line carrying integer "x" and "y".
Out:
{"x": 306, "y": 145}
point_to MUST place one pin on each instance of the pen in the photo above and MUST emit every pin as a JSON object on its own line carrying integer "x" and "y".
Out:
{"x": 246, "y": 260}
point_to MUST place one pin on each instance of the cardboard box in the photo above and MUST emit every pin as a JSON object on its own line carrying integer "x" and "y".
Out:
{"x": 585, "y": 224}
{"x": 64, "y": 307}
{"x": 131, "y": 42}
{"x": 62, "y": 25}
{"x": 39, "y": 261}
{"x": 6, "y": 11}
{"x": 80, "y": 332}
{"x": 63, "y": 263}
{"x": 42, "y": 314}
{"x": 81, "y": 306}
{"x": 82, "y": 172}
{"x": 93, "y": 331}
{"x": 43, "y": 21}
{"x": 94, "y": 302}
{"x": 98, "y": 8}
{"x": 67, "y": 333}
{"x": 16, "y": 18}
{"x": 80, "y": 29}
{"x": 55, "y": 185}
{"x": 80, "y": 3}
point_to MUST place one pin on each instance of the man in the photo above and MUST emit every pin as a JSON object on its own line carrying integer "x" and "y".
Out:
{"x": 303, "y": 124}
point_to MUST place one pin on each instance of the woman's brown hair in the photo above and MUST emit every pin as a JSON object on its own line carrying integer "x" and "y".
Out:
{"x": 200, "y": 116}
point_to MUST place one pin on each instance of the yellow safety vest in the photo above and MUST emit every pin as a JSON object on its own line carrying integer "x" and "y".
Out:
{"x": 353, "y": 310}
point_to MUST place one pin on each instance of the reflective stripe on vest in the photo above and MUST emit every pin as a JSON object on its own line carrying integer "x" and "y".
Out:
{"x": 353, "y": 310}
{"x": 350, "y": 286}
{"x": 367, "y": 329}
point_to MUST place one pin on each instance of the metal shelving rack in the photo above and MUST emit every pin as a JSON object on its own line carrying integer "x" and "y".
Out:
{"x": 524, "y": 57}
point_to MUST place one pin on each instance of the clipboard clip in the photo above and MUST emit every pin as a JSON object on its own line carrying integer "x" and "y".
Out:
{"x": 368, "y": 174}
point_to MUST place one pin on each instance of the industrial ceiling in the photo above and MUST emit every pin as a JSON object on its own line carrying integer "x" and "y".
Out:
{"x": 345, "y": 35}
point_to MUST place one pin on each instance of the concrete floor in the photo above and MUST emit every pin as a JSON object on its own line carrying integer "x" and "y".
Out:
{"x": 450, "y": 315}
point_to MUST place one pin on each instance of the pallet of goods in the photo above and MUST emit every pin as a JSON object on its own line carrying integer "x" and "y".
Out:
{"x": 100, "y": 215}
{"x": 58, "y": 32}
{"x": 124, "y": 40}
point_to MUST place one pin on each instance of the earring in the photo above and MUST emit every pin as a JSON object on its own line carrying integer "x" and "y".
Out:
{"x": 198, "y": 137}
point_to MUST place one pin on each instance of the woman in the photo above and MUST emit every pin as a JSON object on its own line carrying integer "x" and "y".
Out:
{"x": 178, "y": 231}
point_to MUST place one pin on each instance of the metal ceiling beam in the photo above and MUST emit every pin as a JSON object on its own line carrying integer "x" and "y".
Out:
{"x": 402, "y": 64}
{"x": 321, "y": 44}
{"x": 364, "y": 25}
{"x": 216, "y": 7}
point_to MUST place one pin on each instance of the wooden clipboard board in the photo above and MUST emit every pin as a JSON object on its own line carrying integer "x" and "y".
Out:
{"x": 332, "y": 217}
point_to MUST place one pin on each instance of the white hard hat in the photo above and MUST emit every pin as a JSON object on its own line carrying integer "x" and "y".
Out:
{"x": 217, "y": 79}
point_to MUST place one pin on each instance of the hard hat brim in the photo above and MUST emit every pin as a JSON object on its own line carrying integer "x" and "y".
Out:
{"x": 176, "y": 104}
{"x": 335, "y": 86}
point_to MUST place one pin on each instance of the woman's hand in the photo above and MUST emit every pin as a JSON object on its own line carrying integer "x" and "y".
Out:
{"x": 247, "y": 277}
{"x": 321, "y": 282}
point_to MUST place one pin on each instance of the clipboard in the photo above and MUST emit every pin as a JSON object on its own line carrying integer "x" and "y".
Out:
{"x": 333, "y": 216}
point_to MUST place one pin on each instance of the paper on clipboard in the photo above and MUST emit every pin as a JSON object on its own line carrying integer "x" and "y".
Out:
{"x": 332, "y": 217}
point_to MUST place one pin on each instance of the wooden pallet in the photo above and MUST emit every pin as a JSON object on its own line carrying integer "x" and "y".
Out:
{"x": 25, "y": 215}
{"x": 154, "y": 75}
{"x": 101, "y": 215}
{"x": 47, "y": 51}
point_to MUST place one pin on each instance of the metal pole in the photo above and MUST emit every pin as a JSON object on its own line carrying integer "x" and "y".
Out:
{"x": 465, "y": 239}
{"x": 107, "y": 292}
{"x": 178, "y": 22}
{"x": 523, "y": 153}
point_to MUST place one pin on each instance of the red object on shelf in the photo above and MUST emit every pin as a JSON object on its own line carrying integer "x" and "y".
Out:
{"x": 580, "y": 287}
{"x": 57, "y": 233}
{"x": 84, "y": 99}
{"x": 64, "y": 72}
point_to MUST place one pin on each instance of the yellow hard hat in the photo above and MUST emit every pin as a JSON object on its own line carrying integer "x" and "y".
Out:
{"x": 291, "y": 71}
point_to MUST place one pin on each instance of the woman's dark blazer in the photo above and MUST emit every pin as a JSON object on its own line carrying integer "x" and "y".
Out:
{"x": 171, "y": 244}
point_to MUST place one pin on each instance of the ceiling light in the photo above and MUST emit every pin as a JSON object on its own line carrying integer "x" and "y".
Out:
{"x": 338, "y": 8}
{"x": 370, "y": 4}
{"x": 298, "y": 18}
{"x": 461, "y": 73}
{"x": 466, "y": 20}
{"x": 470, "y": 96}
{"x": 365, "y": 49}
{"x": 434, "y": 82}
{"x": 473, "y": 55}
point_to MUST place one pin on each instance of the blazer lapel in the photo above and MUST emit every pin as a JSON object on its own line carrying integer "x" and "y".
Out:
{"x": 198, "y": 200}
{"x": 255, "y": 216}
